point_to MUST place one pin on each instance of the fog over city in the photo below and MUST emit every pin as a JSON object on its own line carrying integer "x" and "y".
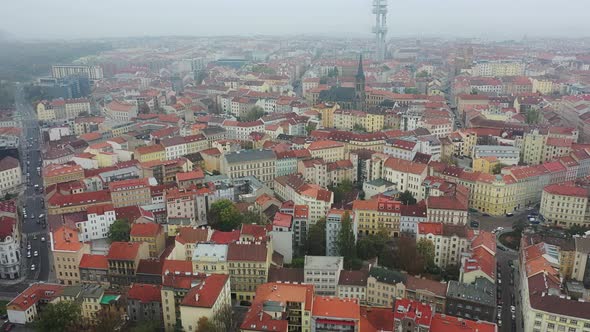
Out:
{"x": 500, "y": 19}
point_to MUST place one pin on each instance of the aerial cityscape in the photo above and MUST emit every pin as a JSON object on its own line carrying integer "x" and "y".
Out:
{"x": 295, "y": 173}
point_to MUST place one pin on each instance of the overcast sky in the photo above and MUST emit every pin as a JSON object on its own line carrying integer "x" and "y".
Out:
{"x": 33, "y": 19}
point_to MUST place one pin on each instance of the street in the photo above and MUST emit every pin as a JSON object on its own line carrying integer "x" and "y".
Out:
{"x": 505, "y": 273}
{"x": 30, "y": 201}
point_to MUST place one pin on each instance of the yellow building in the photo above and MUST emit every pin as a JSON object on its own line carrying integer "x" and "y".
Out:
{"x": 210, "y": 258}
{"x": 55, "y": 173}
{"x": 89, "y": 298}
{"x": 379, "y": 214}
{"x": 130, "y": 192}
{"x": 150, "y": 153}
{"x": 248, "y": 264}
{"x": 258, "y": 163}
{"x": 123, "y": 258}
{"x": 329, "y": 151}
{"x": 542, "y": 86}
{"x": 564, "y": 204}
{"x": 485, "y": 164}
{"x": 45, "y": 112}
{"x": 326, "y": 111}
{"x": 67, "y": 252}
{"x": 151, "y": 233}
{"x": 351, "y": 119}
{"x": 206, "y": 299}
{"x": 384, "y": 286}
{"x": 532, "y": 147}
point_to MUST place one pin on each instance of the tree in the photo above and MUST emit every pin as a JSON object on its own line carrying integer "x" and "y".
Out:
{"x": 532, "y": 116}
{"x": 519, "y": 225}
{"x": 108, "y": 320}
{"x": 497, "y": 169}
{"x": 411, "y": 91}
{"x": 311, "y": 126}
{"x": 147, "y": 326}
{"x": 255, "y": 113}
{"x": 370, "y": 246}
{"x": 59, "y": 317}
{"x": 407, "y": 198}
{"x": 449, "y": 160}
{"x": 250, "y": 217}
{"x": 358, "y": 127}
{"x": 341, "y": 189}
{"x": 577, "y": 230}
{"x": 224, "y": 320}
{"x": 205, "y": 325}
{"x": 422, "y": 74}
{"x": 345, "y": 240}
{"x": 316, "y": 239}
{"x": 224, "y": 216}
{"x": 119, "y": 231}
{"x": 451, "y": 272}
{"x": 425, "y": 249}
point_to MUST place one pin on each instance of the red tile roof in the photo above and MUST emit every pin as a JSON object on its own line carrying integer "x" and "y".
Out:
{"x": 434, "y": 228}
{"x": 566, "y": 189}
{"x": 220, "y": 237}
{"x": 8, "y": 163}
{"x": 206, "y": 293}
{"x": 100, "y": 209}
{"x": 193, "y": 175}
{"x": 405, "y": 166}
{"x": 325, "y": 144}
{"x": 445, "y": 203}
{"x": 129, "y": 184}
{"x": 145, "y": 230}
{"x": 97, "y": 262}
{"x": 253, "y": 252}
{"x": 406, "y": 309}
{"x": 282, "y": 220}
{"x": 192, "y": 234}
{"x": 142, "y": 150}
{"x": 102, "y": 196}
{"x": 35, "y": 293}
{"x": 332, "y": 307}
{"x": 258, "y": 232}
{"x": 145, "y": 293}
{"x": 446, "y": 323}
{"x": 127, "y": 251}
{"x": 66, "y": 239}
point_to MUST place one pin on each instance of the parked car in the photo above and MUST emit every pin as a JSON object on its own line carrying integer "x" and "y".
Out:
{"x": 33, "y": 267}
{"x": 509, "y": 214}
{"x": 474, "y": 223}
{"x": 35, "y": 253}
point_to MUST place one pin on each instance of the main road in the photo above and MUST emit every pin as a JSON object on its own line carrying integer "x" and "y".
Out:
{"x": 33, "y": 231}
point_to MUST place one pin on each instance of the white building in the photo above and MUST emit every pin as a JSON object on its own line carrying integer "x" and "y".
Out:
{"x": 324, "y": 273}
{"x": 399, "y": 148}
{"x": 10, "y": 175}
{"x": 282, "y": 235}
{"x": 450, "y": 241}
{"x": 333, "y": 223}
{"x": 507, "y": 155}
{"x": 410, "y": 217}
{"x": 10, "y": 253}
{"x": 100, "y": 218}
{"x": 61, "y": 71}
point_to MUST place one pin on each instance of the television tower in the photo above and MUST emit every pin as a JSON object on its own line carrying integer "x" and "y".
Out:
{"x": 380, "y": 28}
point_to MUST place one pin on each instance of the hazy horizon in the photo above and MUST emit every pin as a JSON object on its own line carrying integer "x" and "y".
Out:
{"x": 502, "y": 19}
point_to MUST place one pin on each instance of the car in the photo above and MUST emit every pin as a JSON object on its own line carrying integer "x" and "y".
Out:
{"x": 474, "y": 223}
{"x": 29, "y": 254}
{"x": 512, "y": 309}
{"x": 499, "y": 275}
{"x": 513, "y": 316}
{"x": 35, "y": 237}
{"x": 500, "y": 229}
{"x": 499, "y": 281}
{"x": 502, "y": 248}
{"x": 33, "y": 267}
{"x": 35, "y": 253}
{"x": 29, "y": 246}
{"x": 485, "y": 214}
{"x": 509, "y": 214}
{"x": 245, "y": 303}
{"x": 43, "y": 239}
{"x": 41, "y": 216}
{"x": 500, "y": 322}
{"x": 511, "y": 282}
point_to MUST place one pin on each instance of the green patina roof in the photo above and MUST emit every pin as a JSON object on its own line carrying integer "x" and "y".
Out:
{"x": 107, "y": 299}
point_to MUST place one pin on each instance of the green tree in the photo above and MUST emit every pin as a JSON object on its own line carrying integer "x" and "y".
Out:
{"x": 425, "y": 249}
{"x": 316, "y": 239}
{"x": 297, "y": 262}
{"x": 250, "y": 217}
{"x": 224, "y": 216}
{"x": 255, "y": 113}
{"x": 119, "y": 231}
{"x": 497, "y": 169}
{"x": 345, "y": 240}
{"x": 370, "y": 246}
{"x": 422, "y": 74}
{"x": 341, "y": 190}
{"x": 519, "y": 225}
{"x": 407, "y": 198}
{"x": 59, "y": 317}
{"x": 577, "y": 230}
{"x": 532, "y": 116}
{"x": 411, "y": 91}
{"x": 358, "y": 127}
{"x": 108, "y": 320}
{"x": 311, "y": 126}
{"x": 147, "y": 326}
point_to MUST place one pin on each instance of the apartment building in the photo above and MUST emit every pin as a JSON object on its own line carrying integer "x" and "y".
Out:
{"x": 384, "y": 286}
{"x": 120, "y": 111}
{"x": 99, "y": 219}
{"x": 333, "y": 225}
{"x": 94, "y": 269}
{"x": 293, "y": 188}
{"x": 150, "y": 153}
{"x": 151, "y": 233}
{"x": 323, "y": 273}
{"x": 10, "y": 242}
{"x": 25, "y": 308}
{"x": 210, "y": 258}
{"x": 353, "y": 284}
{"x": 331, "y": 313}
{"x": 144, "y": 303}
{"x": 132, "y": 192}
{"x": 10, "y": 175}
{"x": 186, "y": 240}
{"x": 565, "y": 204}
{"x": 67, "y": 252}
{"x": 248, "y": 267}
{"x": 60, "y": 173}
{"x": 507, "y": 155}
{"x": 408, "y": 175}
{"x": 187, "y": 207}
{"x": 123, "y": 258}
{"x": 400, "y": 148}
{"x": 450, "y": 241}
{"x": 207, "y": 299}
{"x": 375, "y": 215}
{"x": 327, "y": 150}
{"x": 258, "y": 163}
{"x": 447, "y": 210}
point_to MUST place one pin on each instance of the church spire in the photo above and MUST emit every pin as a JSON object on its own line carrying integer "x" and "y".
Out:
{"x": 360, "y": 72}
